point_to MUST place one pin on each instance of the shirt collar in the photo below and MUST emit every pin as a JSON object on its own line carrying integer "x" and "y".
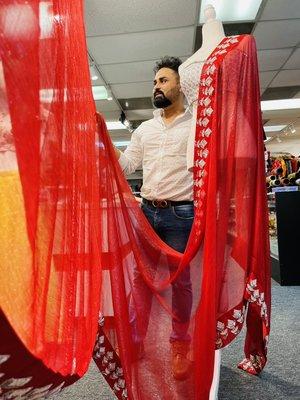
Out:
{"x": 157, "y": 113}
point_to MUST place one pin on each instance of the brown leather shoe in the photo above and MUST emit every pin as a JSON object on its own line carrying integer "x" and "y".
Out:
{"x": 181, "y": 365}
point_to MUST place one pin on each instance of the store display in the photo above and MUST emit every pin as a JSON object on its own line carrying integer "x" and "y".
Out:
{"x": 283, "y": 170}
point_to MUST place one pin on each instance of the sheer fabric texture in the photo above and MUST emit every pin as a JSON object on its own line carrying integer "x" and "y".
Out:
{"x": 75, "y": 221}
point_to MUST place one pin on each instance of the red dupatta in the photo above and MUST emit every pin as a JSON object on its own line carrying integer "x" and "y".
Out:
{"x": 50, "y": 276}
{"x": 83, "y": 224}
{"x": 228, "y": 247}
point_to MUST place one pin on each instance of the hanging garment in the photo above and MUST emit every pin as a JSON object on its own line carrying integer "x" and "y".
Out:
{"x": 77, "y": 220}
{"x": 227, "y": 253}
{"x": 50, "y": 262}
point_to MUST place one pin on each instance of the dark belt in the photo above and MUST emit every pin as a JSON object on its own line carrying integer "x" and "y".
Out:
{"x": 166, "y": 203}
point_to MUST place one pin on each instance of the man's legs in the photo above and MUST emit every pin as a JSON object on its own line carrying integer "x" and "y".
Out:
{"x": 175, "y": 224}
{"x": 176, "y": 227}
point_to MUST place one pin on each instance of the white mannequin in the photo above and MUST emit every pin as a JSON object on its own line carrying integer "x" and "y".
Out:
{"x": 212, "y": 34}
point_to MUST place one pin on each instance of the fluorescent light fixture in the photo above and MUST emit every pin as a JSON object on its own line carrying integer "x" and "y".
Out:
{"x": 274, "y": 128}
{"x": 115, "y": 125}
{"x": 94, "y": 77}
{"x": 122, "y": 143}
{"x": 286, "y": 104}
{"x": 232, "y": 11}
{"x": 99, "y": 92}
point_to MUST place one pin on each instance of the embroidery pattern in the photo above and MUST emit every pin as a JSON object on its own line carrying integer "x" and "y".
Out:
{"x": 16, "y": 388}
{"x": 230, "y": 325}
{"x": 204, "y": 126}
{"x": 109, "y": 363}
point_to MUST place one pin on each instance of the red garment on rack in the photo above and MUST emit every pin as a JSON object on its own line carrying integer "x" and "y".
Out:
{"x": 77, "y": 219}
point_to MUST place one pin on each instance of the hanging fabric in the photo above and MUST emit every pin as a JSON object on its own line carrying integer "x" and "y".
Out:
{"x": 72, "y": 220}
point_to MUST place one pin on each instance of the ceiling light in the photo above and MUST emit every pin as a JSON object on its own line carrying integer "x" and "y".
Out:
{"x": 286, "y": 104}
{"x": 114, "y": 125}
{"x": 126, "y": 104}
{"x": 273, "y": 128}
{"x": 232, "y": 11}
{"x": 99, "y": 92}
{"x": 109, "y": 98}
{"x": 94, "y": 77}
{"x": 121, "y": 143}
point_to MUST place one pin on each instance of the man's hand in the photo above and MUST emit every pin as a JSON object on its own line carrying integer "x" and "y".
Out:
{"x": 117, "y": 152}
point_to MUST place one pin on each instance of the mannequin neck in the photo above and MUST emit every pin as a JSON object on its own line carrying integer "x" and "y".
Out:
{"x": 212, "y": 34}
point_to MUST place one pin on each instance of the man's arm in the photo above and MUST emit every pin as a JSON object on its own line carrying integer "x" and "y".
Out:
{"x": 132, "y": 157}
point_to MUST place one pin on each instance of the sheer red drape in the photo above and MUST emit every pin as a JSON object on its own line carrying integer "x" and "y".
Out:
{"x": 227, "y": 251}
{"x": 72, "y": 220}
{"x": 50, "y": 261}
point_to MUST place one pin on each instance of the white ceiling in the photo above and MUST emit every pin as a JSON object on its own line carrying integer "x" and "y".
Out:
{"x": 125, "y": 38}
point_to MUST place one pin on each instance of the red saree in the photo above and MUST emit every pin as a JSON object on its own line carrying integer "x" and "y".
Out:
{"x": 71, "y": 219}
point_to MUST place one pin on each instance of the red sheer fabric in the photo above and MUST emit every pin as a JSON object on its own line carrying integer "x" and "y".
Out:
{"x": 50, "y": 263}
{"x": 227, "y": 252}
{"x": 70, "y": 219}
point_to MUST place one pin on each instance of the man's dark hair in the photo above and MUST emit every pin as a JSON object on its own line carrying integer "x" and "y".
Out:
{"x": 168, "y": 62}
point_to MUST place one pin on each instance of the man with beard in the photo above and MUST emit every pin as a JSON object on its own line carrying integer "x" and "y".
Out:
{"x": 160, "y": 145}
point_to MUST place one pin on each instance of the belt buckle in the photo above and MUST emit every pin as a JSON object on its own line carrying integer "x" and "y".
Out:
{"x": 160, "y": 203}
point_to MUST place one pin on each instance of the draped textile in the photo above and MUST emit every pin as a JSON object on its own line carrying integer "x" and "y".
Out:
{"x": 50, "y": 273}
{"x": 227, "y": 252}
{"x": 71, "y": 218}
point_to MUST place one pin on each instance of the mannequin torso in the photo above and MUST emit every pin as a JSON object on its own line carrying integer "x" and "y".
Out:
{"x": 190, "y": 70}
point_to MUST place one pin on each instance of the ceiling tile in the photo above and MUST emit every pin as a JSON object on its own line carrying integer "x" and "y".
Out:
{"x": 98, "y": 82}
{"x": 279, "y": 9}
{"x": 110, "y": 115}
{"x": 266, "y": 77}
{"x": 294, "y": 61}
{"x": 129, "y": 90}
{"x": 128, "y": 72}
{"x": 139, "y": 71}
{"x": 140, "y": 103}
{"x": 262, "y": 91}
{"x": 287, "y": 78}
{"x": 139, "y": 114}
{"x": 105, "y": 105}
{"x": 277, "y": 34}
{"x": 284, "y": 92}
{"x": 269, "y": 60}
{"x": 106, "y": 17}
{"x": 141, "y": 46}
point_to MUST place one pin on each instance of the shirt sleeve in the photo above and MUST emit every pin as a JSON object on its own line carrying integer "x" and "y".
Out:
{"x": 131, "y": 158}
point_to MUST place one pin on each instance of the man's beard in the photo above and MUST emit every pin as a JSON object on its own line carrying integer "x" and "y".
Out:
{"x": 162, "y": 101}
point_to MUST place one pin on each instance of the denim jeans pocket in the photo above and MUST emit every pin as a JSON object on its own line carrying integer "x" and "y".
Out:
{"x": 185, "y": 211}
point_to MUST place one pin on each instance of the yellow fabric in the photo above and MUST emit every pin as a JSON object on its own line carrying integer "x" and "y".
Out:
{"x": 15, "y": 255}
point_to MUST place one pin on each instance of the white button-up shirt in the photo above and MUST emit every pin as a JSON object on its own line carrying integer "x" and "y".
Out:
{"x": 162, "y": 151}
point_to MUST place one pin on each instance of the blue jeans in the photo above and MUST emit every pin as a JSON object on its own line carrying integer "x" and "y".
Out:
{"x": 173, "y": 226}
